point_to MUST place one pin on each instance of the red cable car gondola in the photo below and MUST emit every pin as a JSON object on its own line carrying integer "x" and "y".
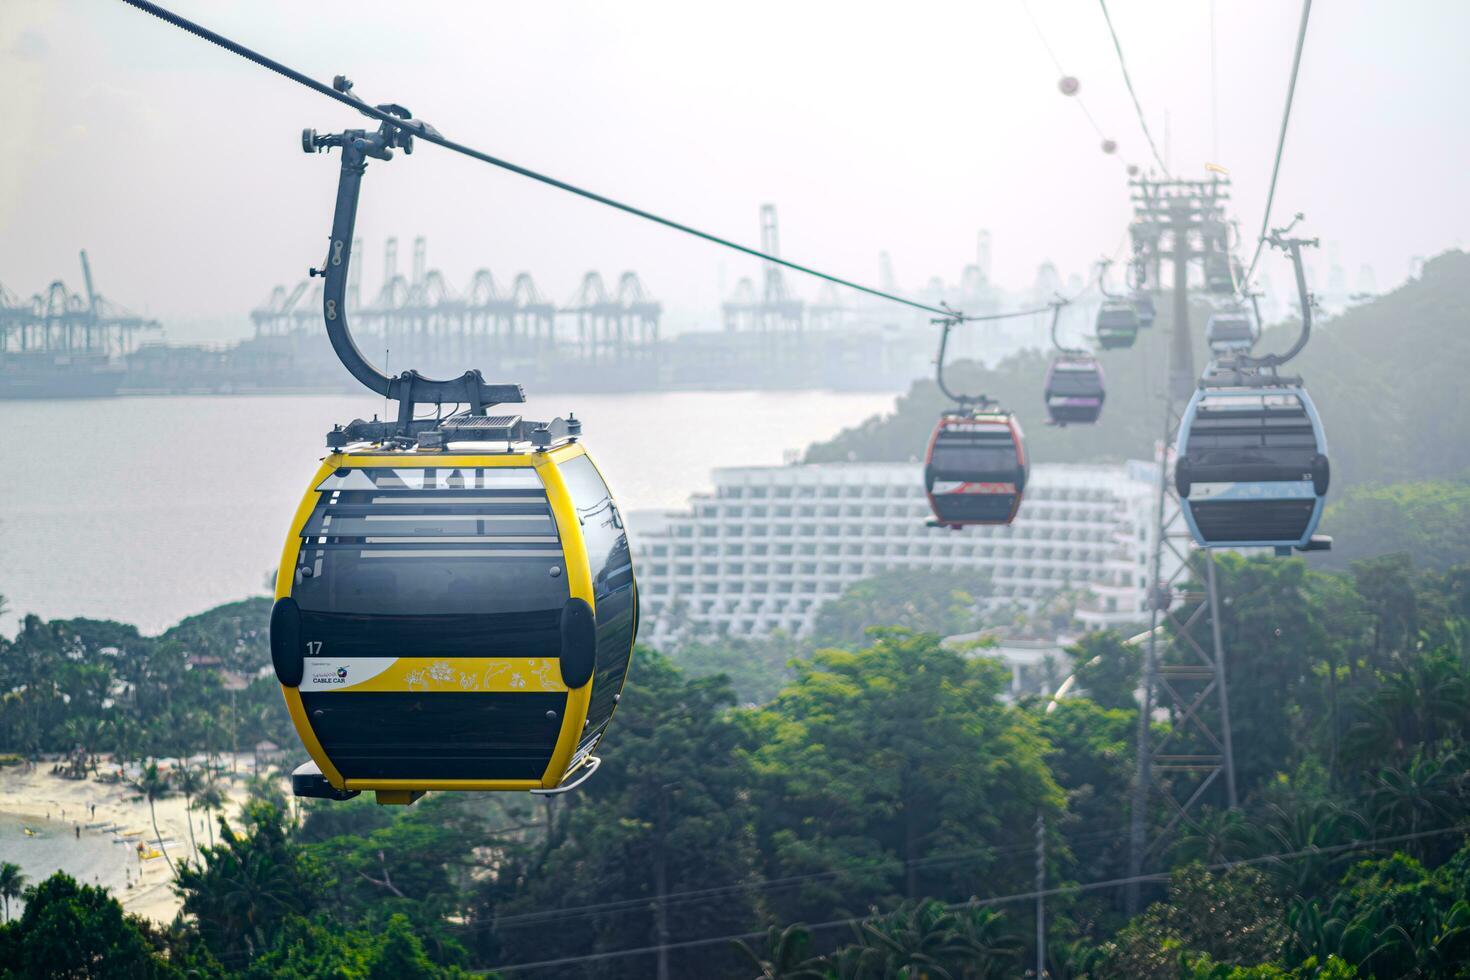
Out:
{"x": 975, "y": 469}
{"x": 975, "y": 465}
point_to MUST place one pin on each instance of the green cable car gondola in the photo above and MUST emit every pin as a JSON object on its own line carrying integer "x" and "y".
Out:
{"x": 455, "y": 606}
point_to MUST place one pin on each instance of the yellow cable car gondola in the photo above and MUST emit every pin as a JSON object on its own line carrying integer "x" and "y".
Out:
{"x": 457, "y": 619}
{"x": 455, "y": 605}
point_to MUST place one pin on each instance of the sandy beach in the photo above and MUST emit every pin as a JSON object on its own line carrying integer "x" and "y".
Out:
{"x": 91, "y": 830}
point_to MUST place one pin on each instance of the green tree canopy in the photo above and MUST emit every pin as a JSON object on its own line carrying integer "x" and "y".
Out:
{"x": 924, "y": 600}
{"x": 78, "y": 931}
{"x": 894, "y": 771}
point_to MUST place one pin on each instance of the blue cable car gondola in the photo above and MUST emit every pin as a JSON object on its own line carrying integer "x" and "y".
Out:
{"x": 1251, "y": 462}
{"x": 1252, "y": 468}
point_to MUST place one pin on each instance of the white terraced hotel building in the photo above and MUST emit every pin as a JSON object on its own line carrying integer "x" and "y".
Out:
{"x": 771, "y": 544}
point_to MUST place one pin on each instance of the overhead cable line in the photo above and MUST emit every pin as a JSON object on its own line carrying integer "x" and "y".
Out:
{"x": 430, "y": 135}
{"x": 1001, "y": 900}
{"x": 694, "y": 896}
{"x": 1296, "y": 63}
{"x": 1075, "y": 96}
{"x": 1128, "y": 80}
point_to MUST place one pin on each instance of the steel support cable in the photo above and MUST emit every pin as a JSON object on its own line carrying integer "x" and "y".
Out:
{"x": 1296, "y": 63}
{"x": 1076, "y": 95}
{"x": 1128, "y": 81}
{"x": 1003, "y": 899}
{"x": 430, "y": 136}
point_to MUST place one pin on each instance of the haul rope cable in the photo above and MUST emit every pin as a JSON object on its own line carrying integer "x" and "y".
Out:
{"x": 1128, "y": 81}
{"x": 417, "y": 128}
{"x": 1003, "y": 899}
{"x": 1296, "y": 63}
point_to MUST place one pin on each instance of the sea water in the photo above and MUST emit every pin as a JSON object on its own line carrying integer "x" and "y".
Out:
{"x": 146, "y": 510}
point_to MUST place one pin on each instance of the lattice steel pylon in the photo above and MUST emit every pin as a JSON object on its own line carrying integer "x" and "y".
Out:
{"x": 1182, "y": 674}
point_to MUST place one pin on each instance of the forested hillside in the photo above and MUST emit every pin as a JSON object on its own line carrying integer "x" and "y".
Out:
{"x": 879, "y": 816}
{"x": 1429, "y": 520}
{"x": 1388, "y": 377}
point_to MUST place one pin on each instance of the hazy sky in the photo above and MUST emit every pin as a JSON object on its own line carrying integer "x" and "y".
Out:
{"x": 904, "y": 127}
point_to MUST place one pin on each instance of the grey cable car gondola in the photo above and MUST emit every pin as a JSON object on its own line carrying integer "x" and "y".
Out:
{"x": 1143, "y": 307}
{"x": 1218, "y": 279}
{"x": 1074, "y": 389}
{"x": 1231, "y": 330}
{"x": 1117, "y": 324}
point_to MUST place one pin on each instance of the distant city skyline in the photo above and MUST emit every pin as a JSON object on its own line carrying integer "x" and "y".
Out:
{"x": 177, "y": 167}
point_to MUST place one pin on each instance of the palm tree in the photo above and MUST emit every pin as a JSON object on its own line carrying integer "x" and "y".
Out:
{"x": 211, "y": 799}
{"x": 992, "y": 949}
{"x": 1424, "y": 793}
{"x": 786, "y": 956}
{"x": 12, "y": 883}
{"x": 919, "y": 939}
{"x": 1418, "y": 704}
{"x": 1214, "y": 836}
{"x": 1308, "y": 827}
{"x": 154, "y": 785}
{"x": 190, "y": 782}
{"x": 86, "y": 734}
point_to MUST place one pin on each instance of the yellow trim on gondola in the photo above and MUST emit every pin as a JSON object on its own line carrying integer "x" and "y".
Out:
{"x": 481, "y": 675}
{"x": 618, "y": 694}
{"x": 579, "y": 585}
{"x": 285, "y": 577}
{"x": 444, "y": 784}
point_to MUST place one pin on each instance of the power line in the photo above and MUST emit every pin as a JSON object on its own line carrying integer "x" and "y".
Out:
{"x": 1128, "y": 80}
{"x": 428, "y": 134}
{"x": 1296, "y": 63}
{"x": 1002, "y": 899}
{"x": 774, "y": 884}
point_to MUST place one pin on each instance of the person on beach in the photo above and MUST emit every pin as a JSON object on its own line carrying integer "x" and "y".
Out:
{"x": 79, "y": 831}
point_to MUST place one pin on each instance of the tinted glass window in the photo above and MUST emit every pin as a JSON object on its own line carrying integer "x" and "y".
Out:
{"x": 431, "y": 561}
{"x": 612, "y": 586}
{"x": 602, "y": 526}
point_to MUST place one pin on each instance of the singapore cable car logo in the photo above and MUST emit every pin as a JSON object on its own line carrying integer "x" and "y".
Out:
{"x": 324, "y": 678}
